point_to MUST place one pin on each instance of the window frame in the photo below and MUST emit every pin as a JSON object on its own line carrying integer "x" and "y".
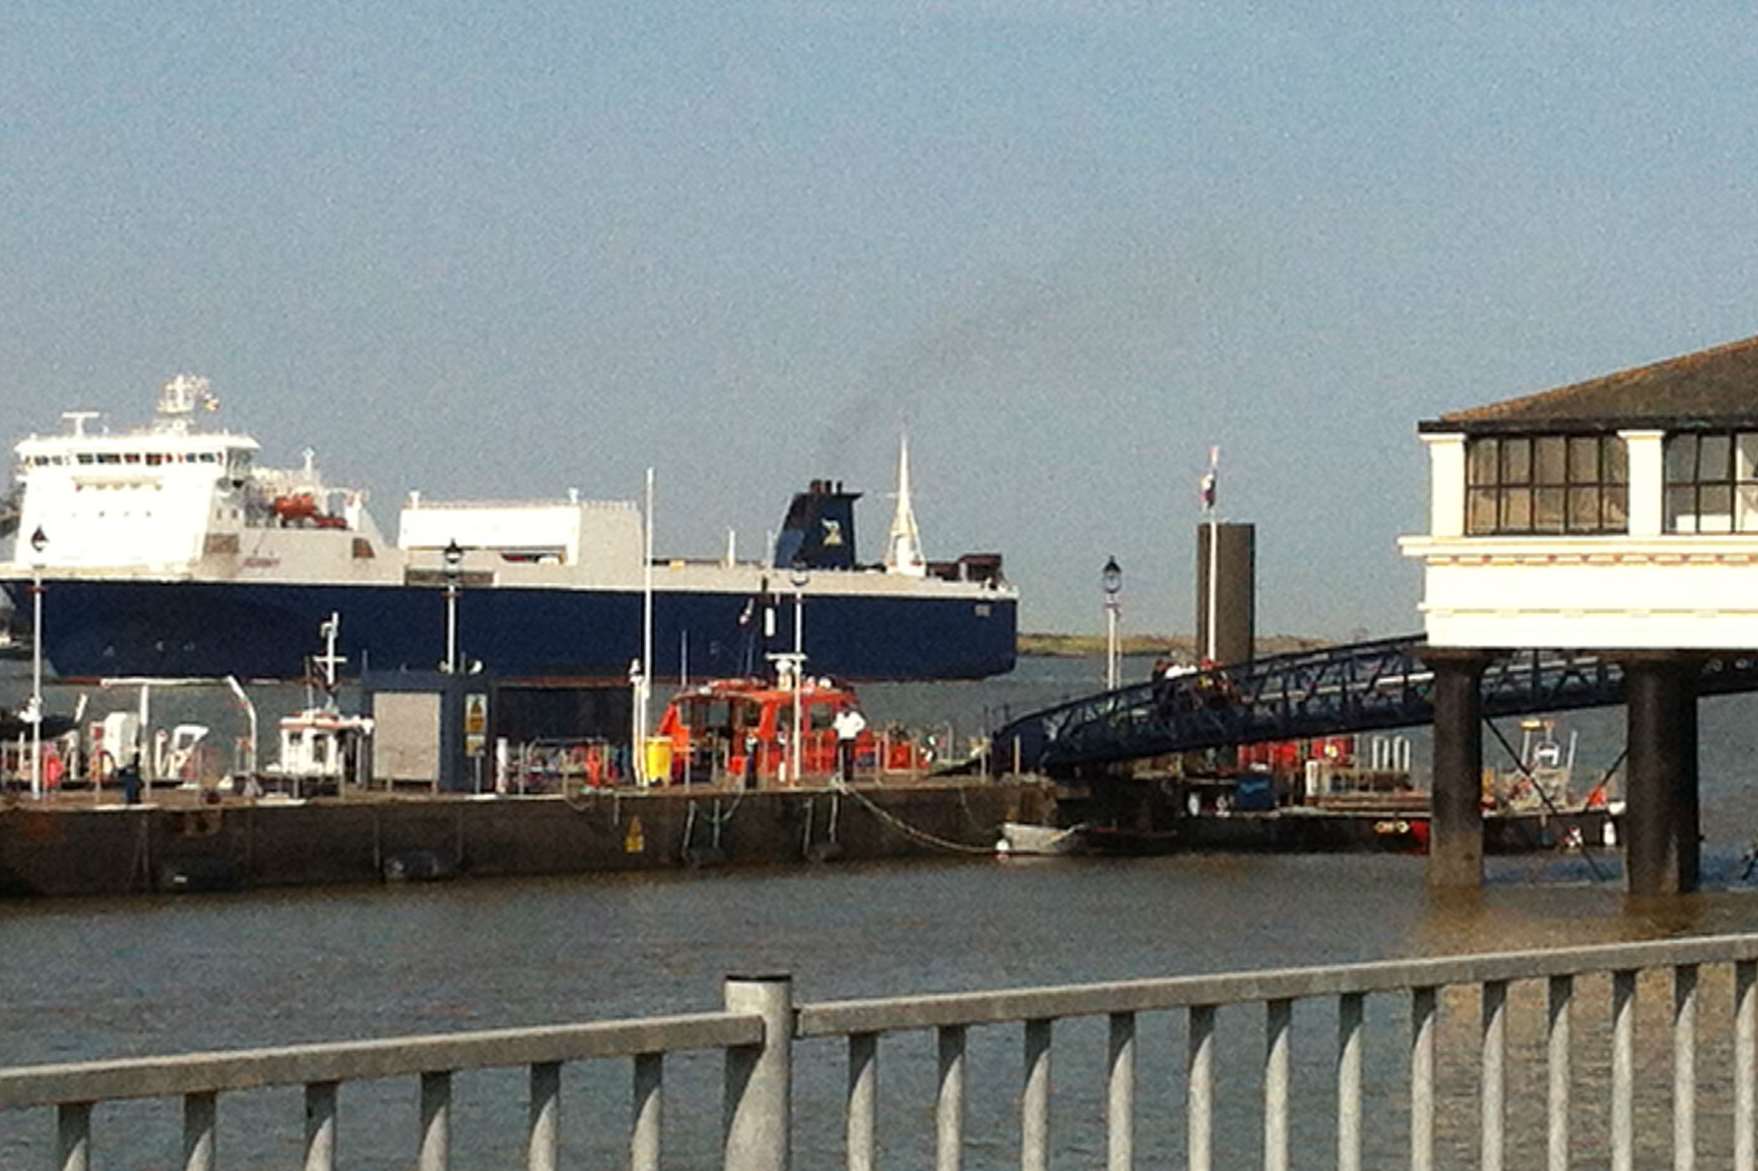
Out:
{"x": 1726, "y": 497}
{"x": 1537, "y": 484}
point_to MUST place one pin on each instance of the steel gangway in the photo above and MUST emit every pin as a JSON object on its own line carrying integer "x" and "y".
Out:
{"x": 1360, "y": 687}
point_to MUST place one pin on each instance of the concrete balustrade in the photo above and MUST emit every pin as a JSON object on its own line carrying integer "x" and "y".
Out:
{"x": 761, "y": 1026}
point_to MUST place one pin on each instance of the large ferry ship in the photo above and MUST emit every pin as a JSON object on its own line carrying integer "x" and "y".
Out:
{"x": 165, "y": 551}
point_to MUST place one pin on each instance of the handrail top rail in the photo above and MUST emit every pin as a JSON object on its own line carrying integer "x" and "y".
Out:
{"x": 243, "y": 1069}
{"x": 896, "y": 1014}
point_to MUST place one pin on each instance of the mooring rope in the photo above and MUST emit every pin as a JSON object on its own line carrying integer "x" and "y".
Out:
{"x": 903, "y": 827}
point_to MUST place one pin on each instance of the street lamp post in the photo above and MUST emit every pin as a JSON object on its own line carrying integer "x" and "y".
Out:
{"x": 39, "y": 542}
{"x": 637, "y": 732}
{"x": 454, "y": 561}
{"x": 1111, "y": 578}
{"x": 798, "y": 576}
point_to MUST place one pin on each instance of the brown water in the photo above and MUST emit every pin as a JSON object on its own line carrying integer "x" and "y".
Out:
{"x": 89, "y": 978}
{"x": 93, "y": 978}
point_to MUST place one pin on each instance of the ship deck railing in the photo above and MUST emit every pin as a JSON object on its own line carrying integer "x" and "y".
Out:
{"x": 759, "y": 1028}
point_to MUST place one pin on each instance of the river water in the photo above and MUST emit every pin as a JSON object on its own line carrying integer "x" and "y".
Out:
{"x": 89, "y": 978}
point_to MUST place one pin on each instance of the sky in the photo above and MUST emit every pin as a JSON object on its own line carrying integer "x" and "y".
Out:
{"x": 505, "y": 250}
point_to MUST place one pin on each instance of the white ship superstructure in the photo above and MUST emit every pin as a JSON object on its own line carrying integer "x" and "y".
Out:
{"x": 172, "y": 500}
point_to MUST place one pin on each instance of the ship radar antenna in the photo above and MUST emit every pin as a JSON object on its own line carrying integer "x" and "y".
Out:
{"x": 78, "y": 419}
{"x": 903, "y": 547}
{"x": 180, "y": 398}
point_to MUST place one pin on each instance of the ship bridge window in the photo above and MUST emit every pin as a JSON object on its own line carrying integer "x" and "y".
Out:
{"x": 1712, "y": 482}
{"x": 154, "y": 459}
{"x": 86, "y": 457}
{"x": 1538, "y": 484}
{"x": 131, "y": 457}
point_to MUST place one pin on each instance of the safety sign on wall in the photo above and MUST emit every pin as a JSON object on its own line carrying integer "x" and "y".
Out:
{"x": 475, "y": 723}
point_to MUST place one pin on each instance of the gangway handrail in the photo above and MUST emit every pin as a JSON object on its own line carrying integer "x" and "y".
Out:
{"x": 1374, "y": 685}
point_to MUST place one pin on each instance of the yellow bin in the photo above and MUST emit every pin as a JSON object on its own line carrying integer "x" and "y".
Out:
{"x": 659, "y": 760}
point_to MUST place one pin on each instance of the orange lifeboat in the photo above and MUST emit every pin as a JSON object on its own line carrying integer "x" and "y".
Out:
{"x": 298, "y": 507}
{"x": 741, "y": 726}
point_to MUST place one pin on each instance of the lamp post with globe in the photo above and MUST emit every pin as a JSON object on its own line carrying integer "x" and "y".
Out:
{"x": 454, "y": 561}
{"x": 798, "y": 575}
{"x": 39, "y": 543}
{"x": 1111, "y": 578}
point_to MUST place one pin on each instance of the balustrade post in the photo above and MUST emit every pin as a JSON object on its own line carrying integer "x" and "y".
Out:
{"x": 949, "y": 1101}
{"x": 863, "y": 1101}
{"x": 436, "y": 1122}
{"x": 199, "y": 1111}
{"x": 757, "y": 1106}
{"x": 1278, "y": 1016}
{"x": 1746, "y": 1065}
{"x": 1349, "y": 1014}
{"x": 1120, "y": 1100}
{"x": 1623, "y": 1114}
{"x": 543, "y": 1117}
{"x": 73, "y": 1136}
{"x": 648, "y": 1124}
{"x": 1199, "y": 1088}
{"x": 1422, "y": 1014}
{"x": 320, "y": 1126}
{"x": 1685, "y": 1067}
{"x": 1034, "y": 1141}
{"x": 1493, "y": 1059}
{"x": 1559, "y": 1059}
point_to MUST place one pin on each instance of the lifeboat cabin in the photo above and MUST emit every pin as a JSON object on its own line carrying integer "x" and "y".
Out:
{"x": 320, "y": 748}
{"x": 739, "y": 728}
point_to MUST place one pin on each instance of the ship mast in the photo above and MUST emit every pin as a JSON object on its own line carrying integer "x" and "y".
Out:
{"x": 903, "y": 548}
{"x": 179, "y": 399}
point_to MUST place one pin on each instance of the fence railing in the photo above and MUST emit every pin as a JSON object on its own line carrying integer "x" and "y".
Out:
{"x": 761, "y": 1025}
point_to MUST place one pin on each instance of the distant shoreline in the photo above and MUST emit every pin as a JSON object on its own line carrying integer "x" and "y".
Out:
{"x": 1182, "y": 646}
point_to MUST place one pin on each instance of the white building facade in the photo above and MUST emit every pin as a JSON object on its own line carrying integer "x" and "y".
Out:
{"x": 1619, "y": 513}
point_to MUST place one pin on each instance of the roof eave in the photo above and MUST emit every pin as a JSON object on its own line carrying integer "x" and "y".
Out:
{"x": 1600, "y": 426}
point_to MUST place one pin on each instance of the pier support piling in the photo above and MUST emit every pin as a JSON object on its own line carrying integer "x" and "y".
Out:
{"x": 1661, "y": 849}
{"x": 1455, "y": 845}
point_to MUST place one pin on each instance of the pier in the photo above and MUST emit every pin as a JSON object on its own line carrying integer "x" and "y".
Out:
{"x": 129, "y": 849}
{"x": 760, "y": 1030}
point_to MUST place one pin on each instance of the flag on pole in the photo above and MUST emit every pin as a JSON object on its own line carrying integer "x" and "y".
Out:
{"x": 1206, "y": 491}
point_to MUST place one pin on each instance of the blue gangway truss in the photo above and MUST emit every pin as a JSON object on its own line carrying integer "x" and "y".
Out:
{"x": 1361, "y": 687}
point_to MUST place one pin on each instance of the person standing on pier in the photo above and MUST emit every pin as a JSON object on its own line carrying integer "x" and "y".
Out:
{"x": 850, "y": 723}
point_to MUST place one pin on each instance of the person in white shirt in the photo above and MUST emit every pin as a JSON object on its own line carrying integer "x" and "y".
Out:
{"x": 850, "y": 723}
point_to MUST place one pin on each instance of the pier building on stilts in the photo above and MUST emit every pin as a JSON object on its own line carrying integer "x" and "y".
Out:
{"x": 1617, "y": 515}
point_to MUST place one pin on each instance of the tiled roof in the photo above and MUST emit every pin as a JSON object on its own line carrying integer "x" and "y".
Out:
{"x": 1712, "y": 387}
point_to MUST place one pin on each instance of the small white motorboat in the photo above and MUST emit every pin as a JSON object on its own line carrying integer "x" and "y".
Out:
{"x": 1020, "y": 838}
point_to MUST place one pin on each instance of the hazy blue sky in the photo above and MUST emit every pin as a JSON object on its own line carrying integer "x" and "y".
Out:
{"x": 487, "y": 249}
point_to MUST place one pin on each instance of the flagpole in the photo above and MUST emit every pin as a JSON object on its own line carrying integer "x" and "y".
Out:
{"x": 1214, "y": 550}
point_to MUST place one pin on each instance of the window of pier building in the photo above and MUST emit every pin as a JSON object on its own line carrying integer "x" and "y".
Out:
{"x": 1712, "y": 482}
{"x": 1541, "y": 484}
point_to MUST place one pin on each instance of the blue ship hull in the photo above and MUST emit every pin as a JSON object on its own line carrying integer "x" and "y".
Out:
{"x": 259, "y": 631}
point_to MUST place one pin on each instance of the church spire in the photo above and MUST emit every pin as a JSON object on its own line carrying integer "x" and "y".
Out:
{"x": 903, "y": 548}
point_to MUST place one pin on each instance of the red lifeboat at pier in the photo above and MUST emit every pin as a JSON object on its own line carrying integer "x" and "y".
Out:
{"x": 740, "y": 728}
